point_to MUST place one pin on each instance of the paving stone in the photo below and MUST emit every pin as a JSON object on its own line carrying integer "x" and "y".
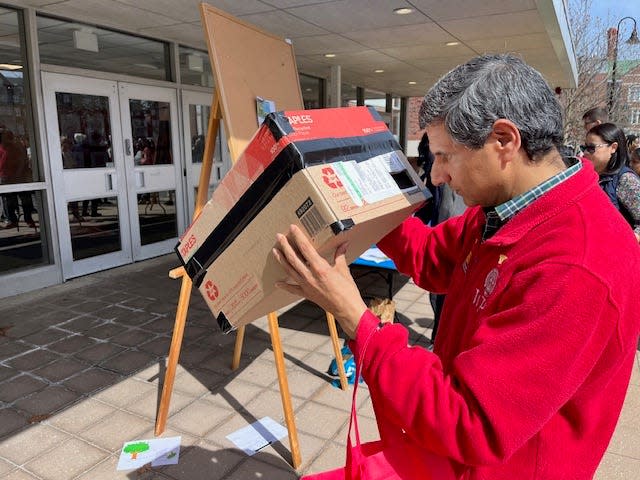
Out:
{"x": 66, "y": 461}
{"x": 5, "y": 468}
{"x": 47, "y": 401}
{"x": 158, "y": 346}
{"x": 89, "y": 306}
{"x": 30, "y": 443}
{"x": 131, "y": 337}
{"x": 19, "y": 387}
{"x": 81, "y": 416}
{"x": 128, "y": 362}
{"x": 31, "y": 360}
{"x": 7, "y": 372}
{"x": 106, "y": 330}
{"x": 20, "y": 474}
{"x": 147, "y": 405}
{"x": 82, "y": 323}
{"x": 91, "y": 380}
{"x": 12, "y": 348}
{"x": 117, "y": 428}
{"x": 60, "y": 369}
{"x": 11, "y": 421}
{"x": 98, "y": 353}
{"x": 205, "y": 462}
{"x": 45, "y": 337}
{"x": 124, "y": 392}
{"x": 72, "y": 344}
{"x": 199, "y": 417}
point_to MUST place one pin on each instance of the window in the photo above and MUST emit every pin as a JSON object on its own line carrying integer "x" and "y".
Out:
{"x": 22, "y": 241}
{"x": 634, "y": 93}
{"x": 195, "y": 68}
{"x": 86, "y": 46}
{"x": 635, "y": 117}
{"x": 312, "y": 91}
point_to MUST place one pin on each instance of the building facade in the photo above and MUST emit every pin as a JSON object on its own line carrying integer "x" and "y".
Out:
{"x": 101, "y": 141}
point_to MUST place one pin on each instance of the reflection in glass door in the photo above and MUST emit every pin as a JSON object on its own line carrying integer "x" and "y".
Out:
{"x": 116, "y": 171}
{"x": 196, "y": 112}
{"x": 153, "y": 168}
{"x": 88, "y": 174}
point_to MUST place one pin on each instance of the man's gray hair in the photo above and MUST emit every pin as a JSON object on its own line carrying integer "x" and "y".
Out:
{"x": 472, "y": 96}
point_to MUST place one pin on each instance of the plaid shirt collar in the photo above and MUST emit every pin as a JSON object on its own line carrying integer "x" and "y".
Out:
{"x": 501, "y": 214}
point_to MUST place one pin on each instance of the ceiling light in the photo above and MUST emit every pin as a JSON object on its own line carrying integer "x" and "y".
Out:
{"x": 85, "y": 39}
{"x": 8, "y": 66}
{"x": 195, "y": 63}
{"x": 452, "y": 44}
{"x": 402, "y": 11}
{"x": 329, "y": 55}
{"x": 412, "y": 83}
{"x": 379, "y": 71}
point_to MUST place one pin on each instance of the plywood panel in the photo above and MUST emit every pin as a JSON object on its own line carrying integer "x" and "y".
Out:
{"x": 248, "y": 63}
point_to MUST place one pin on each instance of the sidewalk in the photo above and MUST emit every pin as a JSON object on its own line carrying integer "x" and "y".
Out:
{"x": 81, "y": 364}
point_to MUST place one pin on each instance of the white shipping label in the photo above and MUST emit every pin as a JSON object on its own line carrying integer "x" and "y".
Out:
{"x": 369, "y": 181}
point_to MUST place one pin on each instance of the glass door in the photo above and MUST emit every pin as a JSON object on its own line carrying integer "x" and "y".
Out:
{"x": 152, "y": 163}
{"x": 88, "y": 173}
{"x": 196, "y": 108}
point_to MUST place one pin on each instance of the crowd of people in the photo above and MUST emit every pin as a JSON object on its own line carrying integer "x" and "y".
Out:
{"x": 616, "y": 159}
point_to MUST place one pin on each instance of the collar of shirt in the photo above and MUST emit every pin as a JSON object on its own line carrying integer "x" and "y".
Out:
{"x": 501, "y": 214}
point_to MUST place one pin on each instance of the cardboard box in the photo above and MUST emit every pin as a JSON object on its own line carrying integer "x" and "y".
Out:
{"x": 337, "y": 173}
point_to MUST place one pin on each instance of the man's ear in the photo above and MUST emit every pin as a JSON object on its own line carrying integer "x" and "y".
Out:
{"x": 507, "y": 137}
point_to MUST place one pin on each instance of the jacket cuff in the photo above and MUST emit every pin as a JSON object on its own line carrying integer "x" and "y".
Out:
{"x": 368, "y": 323}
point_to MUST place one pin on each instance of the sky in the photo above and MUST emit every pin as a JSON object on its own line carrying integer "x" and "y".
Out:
{"x": 614, "y": 10}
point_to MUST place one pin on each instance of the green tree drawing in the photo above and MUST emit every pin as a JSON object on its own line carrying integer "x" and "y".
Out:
{"x": 135, "y": 448}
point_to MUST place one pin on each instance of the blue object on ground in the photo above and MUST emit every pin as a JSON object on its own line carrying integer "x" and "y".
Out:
{"x": 349, "y": 367}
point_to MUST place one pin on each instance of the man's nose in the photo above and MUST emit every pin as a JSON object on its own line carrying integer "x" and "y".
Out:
{"x": 439, "y": 175}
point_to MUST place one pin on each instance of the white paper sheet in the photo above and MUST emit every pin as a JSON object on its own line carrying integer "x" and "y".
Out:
{"x": 258, "y": 435}
{"x": 157, "y": 451}
{"x": 374, "y": 254}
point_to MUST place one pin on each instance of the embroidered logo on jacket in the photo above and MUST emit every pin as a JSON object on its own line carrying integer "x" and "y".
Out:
{"x": 480, "y": 297}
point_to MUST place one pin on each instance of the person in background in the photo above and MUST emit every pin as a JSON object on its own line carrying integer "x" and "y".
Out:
{"x": 539, "y": 329}
{"x": 445, "y": 203}
{"x": 633, "y": 142}
{"x": 606, "y": 148}
{"x": 594, "y": 116}
{"x": 634, "y": 160}
{"x": 15, "y": 168}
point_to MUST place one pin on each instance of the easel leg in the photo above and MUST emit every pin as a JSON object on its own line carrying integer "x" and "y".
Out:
{"x": 174, "y": 354}
{"x": 333, "y": 331}
{"x": 237, "y": 349}
{"x": 284, "y": 389}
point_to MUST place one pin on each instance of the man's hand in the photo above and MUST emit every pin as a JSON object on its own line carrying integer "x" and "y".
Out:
{"x": 330, "y": 286}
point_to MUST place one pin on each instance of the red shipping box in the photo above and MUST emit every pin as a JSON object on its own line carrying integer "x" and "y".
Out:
{"x": 338, "y": 173}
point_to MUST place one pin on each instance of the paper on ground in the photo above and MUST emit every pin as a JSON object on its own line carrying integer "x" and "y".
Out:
{"x": 157, "y": 451}
{"x": 257, "y": 435}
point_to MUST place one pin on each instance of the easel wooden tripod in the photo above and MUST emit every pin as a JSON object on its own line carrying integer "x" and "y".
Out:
{"x": 183, "y": 306}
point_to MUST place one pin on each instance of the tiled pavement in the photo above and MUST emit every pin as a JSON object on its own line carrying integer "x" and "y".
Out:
{"x": 81, "y": 364}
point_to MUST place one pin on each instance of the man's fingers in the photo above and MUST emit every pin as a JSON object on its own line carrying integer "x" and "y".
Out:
{"x": 340, "y": 259}
{"x": 282, "y": 260}
{"x": 304, "y": 246}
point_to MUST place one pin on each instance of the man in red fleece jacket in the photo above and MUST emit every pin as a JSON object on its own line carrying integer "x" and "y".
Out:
{"x": 539, "y": 330}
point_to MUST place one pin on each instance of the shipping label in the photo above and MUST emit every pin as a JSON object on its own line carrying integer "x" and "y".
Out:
{"x": 370, "y": 181}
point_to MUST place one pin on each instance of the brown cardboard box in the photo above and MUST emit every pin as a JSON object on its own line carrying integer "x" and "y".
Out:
{"x": 337, "y": 173}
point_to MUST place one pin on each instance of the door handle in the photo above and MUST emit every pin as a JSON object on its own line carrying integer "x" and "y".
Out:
{"x": 139, "y": 179}
{"x": 108, "y": 182}
{"x": 127, "y": 146}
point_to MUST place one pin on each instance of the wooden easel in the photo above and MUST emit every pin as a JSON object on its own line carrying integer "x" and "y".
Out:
{"x": 208, "y": 13}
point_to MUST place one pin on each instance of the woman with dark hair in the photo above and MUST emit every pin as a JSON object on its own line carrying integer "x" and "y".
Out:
{"x": 606, "y": 148}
